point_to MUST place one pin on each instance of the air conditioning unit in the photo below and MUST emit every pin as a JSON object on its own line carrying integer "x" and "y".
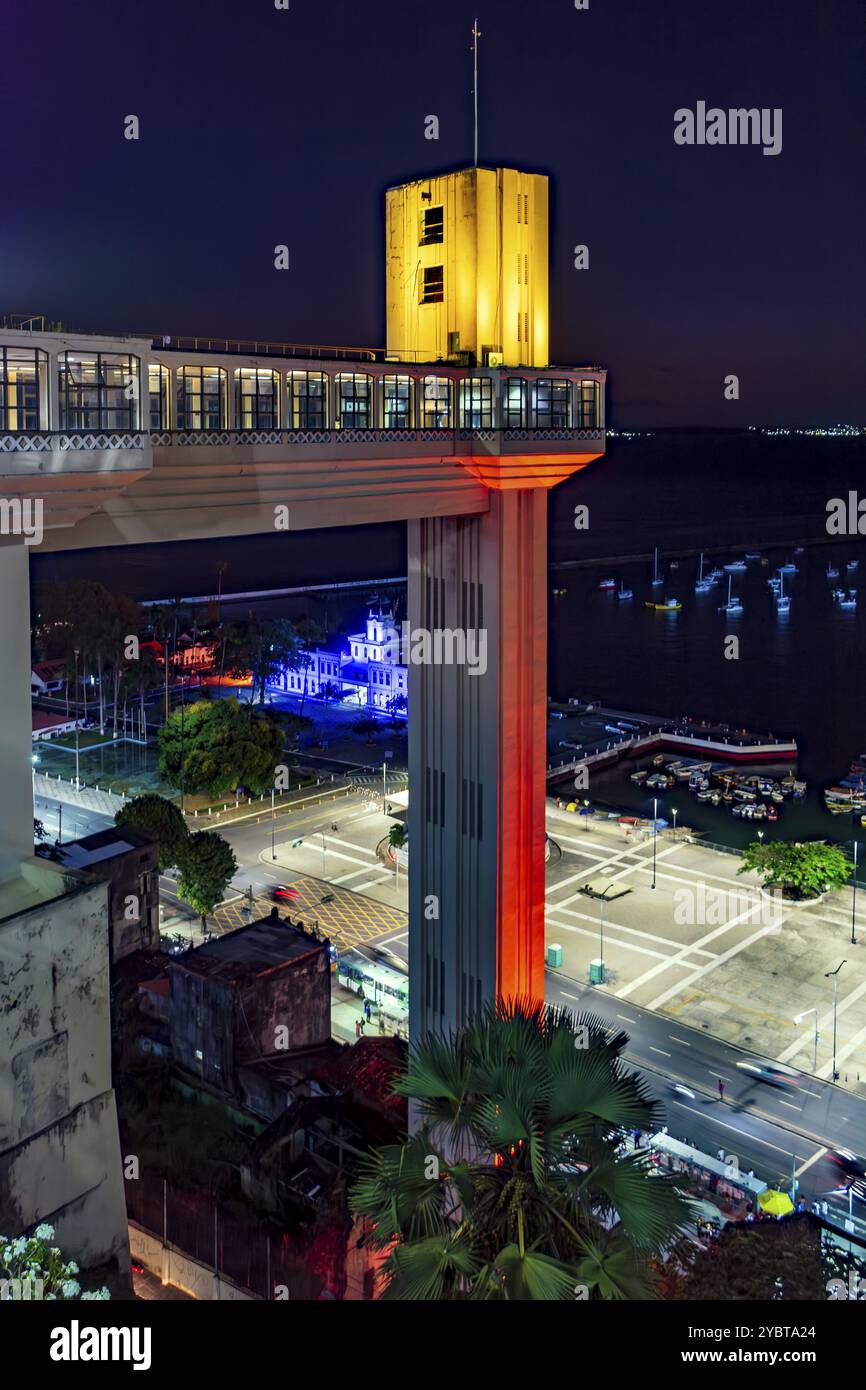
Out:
{"x": 493, "y": 359}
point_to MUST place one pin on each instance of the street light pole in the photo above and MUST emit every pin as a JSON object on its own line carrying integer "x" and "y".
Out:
{"x": 273, "y": 827}
{"x": 674, "y": 814}
{"x": 655, "y": 836}
{"x": 854, "y": 899}
{"x": 324, "y": 852}
{"x": 602, "y": 900}
{"x": 77, "y": 726}
{"x": 834, "y": 975}
{"x": 384, "y": 788}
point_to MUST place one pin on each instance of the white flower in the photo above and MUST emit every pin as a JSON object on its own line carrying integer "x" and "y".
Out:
{"x": 43, "y": 1232}
{"x": 70, "y": 1288}
{"x": 72, "y": 1267}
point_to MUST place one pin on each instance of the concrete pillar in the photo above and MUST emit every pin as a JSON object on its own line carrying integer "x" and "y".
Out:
{"x": 477, "y": 761}
{"x": 16, "y": 803}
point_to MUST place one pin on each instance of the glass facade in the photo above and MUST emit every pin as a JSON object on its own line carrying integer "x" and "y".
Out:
{"x": 514, "y": 404}
{"x": 476, "y": 403}
{"x": 158, "y": 386}
{"x": 257, "y": 396}
{"x": 201, "y": 398}
{"x": 353, "y": 401}
{"x": 436, "y": 403}
{"x": 99, "y": 392}
{"x": 588, "y": 405}
{"x": 397, "y": 402}
{"x": 307, "y": 401}
{"x": 23, "y": 404}
{"x": 551, "y": 404}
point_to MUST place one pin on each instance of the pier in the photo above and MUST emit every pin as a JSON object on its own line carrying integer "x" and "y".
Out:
{"x": 603, "y": 736}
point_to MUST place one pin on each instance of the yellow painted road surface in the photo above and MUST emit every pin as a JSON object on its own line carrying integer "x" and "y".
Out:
{"x": 348, "y": 919}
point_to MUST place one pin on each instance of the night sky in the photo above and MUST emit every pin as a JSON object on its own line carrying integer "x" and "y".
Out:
{"x": 261, "y": 126}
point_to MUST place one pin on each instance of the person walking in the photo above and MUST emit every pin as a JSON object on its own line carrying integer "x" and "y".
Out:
{"x": 721, "y": 1089}
{"x": 357, "y": 1028}
{"x": 367, "y": 1010}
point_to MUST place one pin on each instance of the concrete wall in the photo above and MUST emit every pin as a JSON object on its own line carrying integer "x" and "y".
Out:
{"x": 173, "y": 1267}
{"x": 60, "y": 1156}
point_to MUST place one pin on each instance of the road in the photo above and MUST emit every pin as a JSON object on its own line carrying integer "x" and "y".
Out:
{"x": 775, "y": 1133}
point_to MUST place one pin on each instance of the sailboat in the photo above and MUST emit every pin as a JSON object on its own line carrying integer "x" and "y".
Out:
{"x": 733, "y": 604}
{"x": 783, "y": 602}
{"x": 702, "y": 585}
{"x": 623, "y": 592}
{"x": 735, "y": 567}
{"x": 849, "y": 602}
{"x": 657, "y": 578}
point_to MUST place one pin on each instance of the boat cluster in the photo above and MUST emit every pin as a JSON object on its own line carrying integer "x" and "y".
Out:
{"x": 751, "y": 797}
{"x": 850, "y": 793}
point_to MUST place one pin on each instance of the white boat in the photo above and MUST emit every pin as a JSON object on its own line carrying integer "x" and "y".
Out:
{"x": 703, "y": 585}
{"x": 736, "y": 567}
{"x": 789, "y": 568}
{"x": 733, "y": 604}
{"x": 658, "y": 579}
{"x": 622, "y": 592}
{"x": 832, "y": 572}
{"x": 848, "y": 602}
{"x": 783, "y": 602}
{"x": 852, "y": 564}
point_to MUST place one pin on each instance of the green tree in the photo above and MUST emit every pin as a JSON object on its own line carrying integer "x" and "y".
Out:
{"x": 398, "y": 836}
{"x": 207, "y": 866}
{"x": 215, "y": 746}
{"x": 800, "y": 870}
{"x": 155, "y": 815}
{"x": 306, "y": 633}
{"x": 366, "y": 724}
{"x": 516, "y": 1185}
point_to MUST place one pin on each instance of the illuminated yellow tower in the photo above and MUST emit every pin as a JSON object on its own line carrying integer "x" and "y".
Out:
{"x": 467, "y": 268}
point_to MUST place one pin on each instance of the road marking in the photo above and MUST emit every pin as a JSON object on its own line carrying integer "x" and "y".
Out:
{"x": 819, "y": 1153}
{"x": 679, "y": 1040}
{"x": 627, "y": 1019}
{"x": 798, "y": 1108}
{"x": 660, "y": 999}
{"x": 744, "y": 1135}
{"x": 566, "y": 995}
{"x": 659, "y": 1050}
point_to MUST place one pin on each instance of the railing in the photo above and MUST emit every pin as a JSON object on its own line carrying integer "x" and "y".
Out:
{"x": 46, "y": 441}
{"x": 255, "y": 348}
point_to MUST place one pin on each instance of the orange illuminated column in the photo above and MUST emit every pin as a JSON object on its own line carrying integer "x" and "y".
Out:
{"x": 477, "y": 752}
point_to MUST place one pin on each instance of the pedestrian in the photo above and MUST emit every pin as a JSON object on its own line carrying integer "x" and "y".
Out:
{"x": 367, "y": 1010}
{"x": 825, "y": 1210}
{"x": 357, "y": 1028}
{"x": 721, "y": 1089}
{"x": 637, "y": 1138}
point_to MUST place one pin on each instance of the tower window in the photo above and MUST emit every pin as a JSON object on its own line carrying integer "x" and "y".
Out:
{"x": 433, "y": 284}
{"x": 432, "y": 226}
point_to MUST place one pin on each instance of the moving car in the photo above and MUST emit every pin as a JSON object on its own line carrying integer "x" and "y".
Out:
{"x": 773, "y": 1073}
{"x": 282, "y": 893}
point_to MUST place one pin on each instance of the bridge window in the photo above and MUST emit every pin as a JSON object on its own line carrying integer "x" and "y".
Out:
{"x": 551, "y": 404}
{"x": 589, "y": 406}
{"x": 201, "y": 398}
{"x": 433, "y": 284}
{"x": 99, "y": 392}
{"x": 436, "y": 405}
{"x": 157, "y": 381}
{"x": 476, "y": 403}
{"x": 308, "y": 401}
{"x": 257, "y": 399}
{"x": 514, "y": 405}
{"x": 354, "y": 397}
{"x": 23, "y": 398}
{"x": 397, "y": 402}
{"x": 432, "y": 226}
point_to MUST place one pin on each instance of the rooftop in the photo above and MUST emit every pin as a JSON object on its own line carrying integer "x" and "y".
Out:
{"x": 252, "y": 951}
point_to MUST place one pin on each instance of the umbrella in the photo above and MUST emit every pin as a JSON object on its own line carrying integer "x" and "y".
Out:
{"x": 775, "y": 1203}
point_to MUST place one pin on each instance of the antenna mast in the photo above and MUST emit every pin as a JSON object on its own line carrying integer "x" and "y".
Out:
{"x": 476, "y": 35}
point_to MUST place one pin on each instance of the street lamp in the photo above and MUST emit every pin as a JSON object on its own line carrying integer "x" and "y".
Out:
{"x": 586, "y": 817}
{"x": 834, "y": 976}
{"x": 854, "y": 899}
{"x": 385, "y": 788}
{"x": 77, "y": 725}
{"x": 273, "y": 827}
{"x": 655, "y": 836}
{"x": 799, "y": 1019}
{"x": 674, "y": 814}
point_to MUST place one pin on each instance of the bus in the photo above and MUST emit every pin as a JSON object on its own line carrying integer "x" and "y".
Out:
{"x": 386, "y": 988}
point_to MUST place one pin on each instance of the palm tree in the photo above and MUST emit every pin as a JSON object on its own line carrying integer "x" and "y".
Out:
{"x": 516, "y": 1185}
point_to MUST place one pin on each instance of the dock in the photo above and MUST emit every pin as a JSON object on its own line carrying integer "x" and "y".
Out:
{"x": 603, "y": 737}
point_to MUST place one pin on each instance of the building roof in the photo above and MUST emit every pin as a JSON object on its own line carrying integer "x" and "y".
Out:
{"x": 102, "y": 845}
{"x": 49, "y": 670}
{"x": 251, "y": 952}
{"x": 45, "y": 719}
